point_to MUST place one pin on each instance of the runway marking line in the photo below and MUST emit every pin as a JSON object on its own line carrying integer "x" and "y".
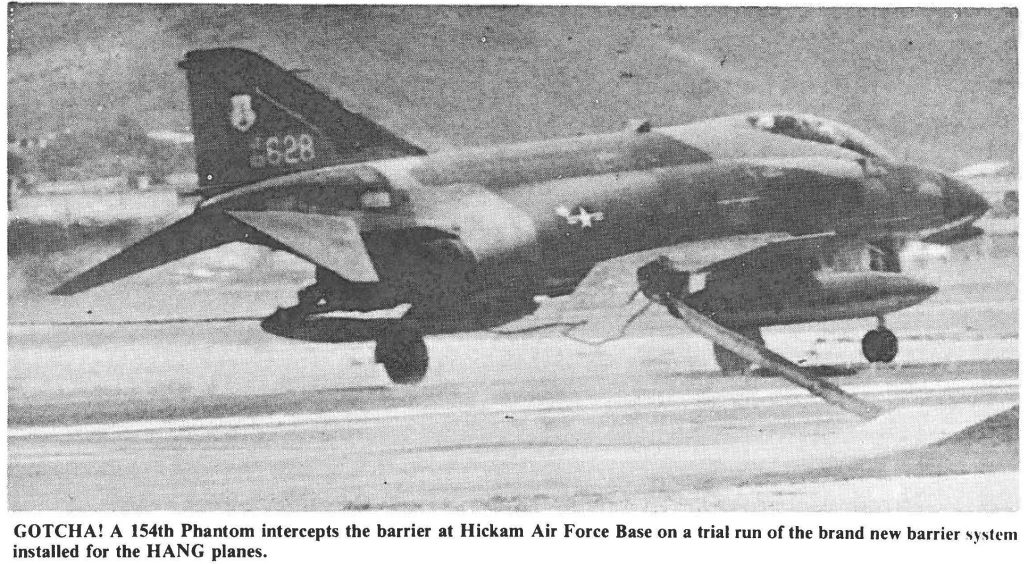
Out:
{"x": 584, "y": 412}
{"x": 712, "y": 399}
{"x": 670, "y": 407}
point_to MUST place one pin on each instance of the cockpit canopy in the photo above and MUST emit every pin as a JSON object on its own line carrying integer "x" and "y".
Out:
{"x": 819, "y": 130}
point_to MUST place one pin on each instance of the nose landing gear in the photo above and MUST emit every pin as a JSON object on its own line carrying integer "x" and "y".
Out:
{"x": 880, "y": 345}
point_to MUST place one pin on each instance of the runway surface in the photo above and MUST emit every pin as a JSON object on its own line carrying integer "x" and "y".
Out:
{"x": 217, "y": 415}
{"x": 549, "y": 435}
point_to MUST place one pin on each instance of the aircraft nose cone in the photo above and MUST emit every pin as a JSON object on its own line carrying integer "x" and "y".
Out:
{"x": 960, "y": 200}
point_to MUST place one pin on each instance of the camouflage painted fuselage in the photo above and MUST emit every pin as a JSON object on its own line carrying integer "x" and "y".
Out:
{"x": 468, "y": 238}
{"x": 509, "y": 222}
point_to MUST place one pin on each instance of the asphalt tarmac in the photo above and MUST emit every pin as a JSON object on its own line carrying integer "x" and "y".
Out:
{"x": 543, "y": 427}
{"x": 216, "y": 415}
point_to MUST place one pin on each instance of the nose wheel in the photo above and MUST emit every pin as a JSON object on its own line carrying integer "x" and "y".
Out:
{"x": 880, "y": 345}
{"x": 403, "y": 352}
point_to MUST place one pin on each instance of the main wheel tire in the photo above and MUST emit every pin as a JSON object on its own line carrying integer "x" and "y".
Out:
{"x": 403, "y": 353}
{"x": 880, "y": 345}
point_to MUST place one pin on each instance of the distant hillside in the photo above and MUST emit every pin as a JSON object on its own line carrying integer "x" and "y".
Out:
{"x": 939, "y": 87}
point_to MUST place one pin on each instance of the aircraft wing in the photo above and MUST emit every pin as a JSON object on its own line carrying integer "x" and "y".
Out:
{"x": 607, "y": 300}
{"x": 331, "y": 241}
{"x": 957, "y": 231}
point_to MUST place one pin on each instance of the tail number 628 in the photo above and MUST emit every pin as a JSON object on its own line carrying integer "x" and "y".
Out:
{"x": 289, "y": 149}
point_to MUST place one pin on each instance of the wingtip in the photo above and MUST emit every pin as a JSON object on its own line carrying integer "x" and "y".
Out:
{"x": 65, "y": 289}
{"x": 75, "y": 285}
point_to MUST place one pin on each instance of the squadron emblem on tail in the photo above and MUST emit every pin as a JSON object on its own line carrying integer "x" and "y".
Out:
{"x": 242, "y": 115}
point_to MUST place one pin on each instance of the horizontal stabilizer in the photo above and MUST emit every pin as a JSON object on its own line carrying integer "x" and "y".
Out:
{"x": 330, "y": 241}
{"x": 193, "y": 234}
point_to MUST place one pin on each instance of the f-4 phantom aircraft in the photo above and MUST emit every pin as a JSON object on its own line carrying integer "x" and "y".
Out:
{"x": 733, "y": 224}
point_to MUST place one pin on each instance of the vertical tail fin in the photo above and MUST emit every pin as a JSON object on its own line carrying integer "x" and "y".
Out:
{"x": 253, "y": 120}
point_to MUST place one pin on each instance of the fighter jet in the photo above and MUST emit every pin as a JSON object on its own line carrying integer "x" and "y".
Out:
{"x": 732, "y": 224}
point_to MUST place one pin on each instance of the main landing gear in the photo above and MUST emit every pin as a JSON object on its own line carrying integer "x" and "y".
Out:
{"x": 880, "y": 345}
{"x": 403, "y": 352}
